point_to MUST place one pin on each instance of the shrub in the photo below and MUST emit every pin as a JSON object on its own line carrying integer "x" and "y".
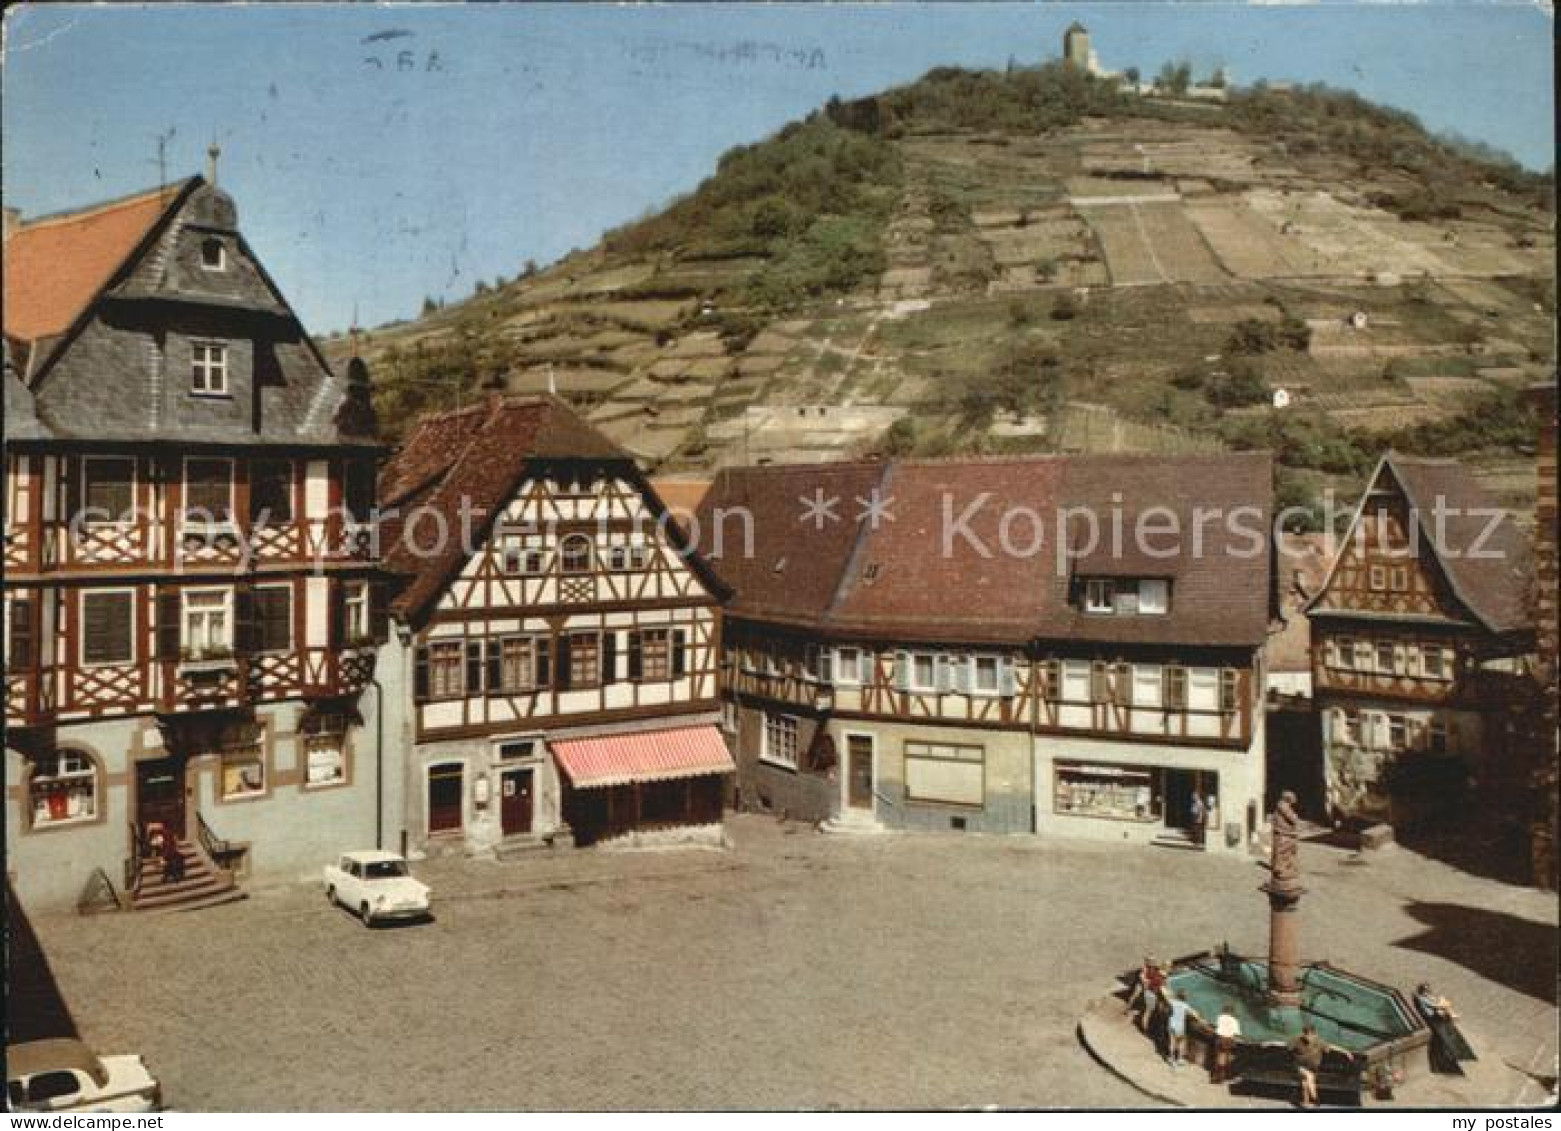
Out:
{"x": 1252, "y": 336}
{"x": 1065, "y": 308}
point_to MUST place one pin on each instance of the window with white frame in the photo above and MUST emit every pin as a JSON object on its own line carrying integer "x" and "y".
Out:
{"x": 1385, "y": 657}
{"x": 780, "y": 740}
{"x": 63, "y": 788}
{"x": 445, "y": 670}
{"x": 1154, "y": 598}
{"x": 208, "y": 624}
{"x": 924, "y": 672}
{"x": 1364, "y": 657}
{"x": 945, "y": 773}
{"x": 209, "y": 369}
{"x": 1174, "y": 689}
{"x": 214, "y": 256}
{"x": 984, "y": 675}
{"x": 325, "y": 748}
{"x": 1098, "y": 596}
{"x": 242, "y": 752}
{"x": 517, "y": 663}
{"x": 1435, "y": 662}
{"x": 848, "y": 665}
{"x": 1350, "y": 718}
{"x": 355, "y": 616}
{"x": 523, "y": 561}
{"x": 1377, "y": 578}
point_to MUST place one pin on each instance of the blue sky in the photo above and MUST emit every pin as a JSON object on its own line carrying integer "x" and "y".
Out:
{"x": 464, "y": 140}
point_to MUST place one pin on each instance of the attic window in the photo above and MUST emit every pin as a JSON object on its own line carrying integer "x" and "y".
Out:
{"x": 209, "y": 369}
{"x": 214, "y": 256}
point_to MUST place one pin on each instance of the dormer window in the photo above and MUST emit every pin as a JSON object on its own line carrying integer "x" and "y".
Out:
{"x": 209, "y": 369}
{"x": 1154, "y": 598}
{"x": 1119, "y": 597}
{"x": 214, "y": 256}
{"x": 1099, "y": 596}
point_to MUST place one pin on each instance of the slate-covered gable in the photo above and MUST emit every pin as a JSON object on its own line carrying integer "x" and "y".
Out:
{"x": 122, "y": 370}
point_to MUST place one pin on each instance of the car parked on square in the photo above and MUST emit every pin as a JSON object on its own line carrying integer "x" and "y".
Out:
{"x": 377, "y": 886}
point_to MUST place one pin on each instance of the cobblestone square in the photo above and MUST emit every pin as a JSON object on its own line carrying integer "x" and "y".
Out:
{"x": 793, "y": 970}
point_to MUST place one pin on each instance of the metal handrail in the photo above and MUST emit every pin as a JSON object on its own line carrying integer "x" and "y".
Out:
{"x": 133, "y": 861}
{"x": 214, "y": 845}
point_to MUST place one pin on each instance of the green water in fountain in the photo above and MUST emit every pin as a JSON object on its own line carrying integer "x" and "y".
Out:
{"x": 1345, "y": 1012}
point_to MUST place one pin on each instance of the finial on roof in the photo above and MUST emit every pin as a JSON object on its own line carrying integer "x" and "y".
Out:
{"x": 213, "y": 151}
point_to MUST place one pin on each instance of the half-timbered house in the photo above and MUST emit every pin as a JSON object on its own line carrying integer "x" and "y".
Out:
{"x": 944, "y": 645}
{"x": 1417, "y": 634}
{"x": 559, "y": 649}
{"x": 188, "y": 604}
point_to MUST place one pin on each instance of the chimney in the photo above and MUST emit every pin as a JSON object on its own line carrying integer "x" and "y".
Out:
{"x": 13, "y": 221}
{"x": 212, "y": 153}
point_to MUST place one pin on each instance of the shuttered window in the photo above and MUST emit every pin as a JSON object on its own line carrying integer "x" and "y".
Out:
{"x": 271, "y": 491}
{"x": 650, "y": 654}
{"x": 20, "y": 633}
{"x": 208, "y": 490}
{"x": 274, "y": 618}
{"x": 108, "y": 628}
{"x": 107, "y": 489}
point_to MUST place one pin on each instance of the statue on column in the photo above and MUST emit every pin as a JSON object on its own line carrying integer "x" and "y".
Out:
{"x": 1285, "y": 868}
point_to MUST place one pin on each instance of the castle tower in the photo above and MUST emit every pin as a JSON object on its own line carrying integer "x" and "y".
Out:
{"x": 1075, "y": 47}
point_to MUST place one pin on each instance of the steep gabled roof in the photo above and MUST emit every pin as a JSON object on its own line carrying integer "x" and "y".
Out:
{"x": 56, "y": 265}
{"x": 959, "y": 560}
{"x": 469, "y": 462}
{"x": 1487, "y": 566}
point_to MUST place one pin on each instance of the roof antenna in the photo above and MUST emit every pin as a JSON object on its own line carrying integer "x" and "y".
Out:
{"x": 162, "y": 156}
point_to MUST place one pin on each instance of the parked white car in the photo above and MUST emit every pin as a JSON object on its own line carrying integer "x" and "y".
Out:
{"x": 65, "y": 1075}
{"x": 376, "y": 886}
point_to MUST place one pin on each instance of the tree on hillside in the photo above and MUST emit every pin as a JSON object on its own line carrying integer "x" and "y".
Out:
{"x": 429, "y": 305}
{"x": 1175, "y": 77}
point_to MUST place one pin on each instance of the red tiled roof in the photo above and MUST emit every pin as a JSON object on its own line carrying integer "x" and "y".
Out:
{"x": 643, "y": 756}
{"x": 938, "y": 569}
{"x": 464, "y": 465}
{"x": 56, "y": 265}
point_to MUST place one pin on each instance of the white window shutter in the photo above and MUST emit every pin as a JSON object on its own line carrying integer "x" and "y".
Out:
{"x": 902, "y": 671}
{"x": 1400, "y": 660}
{"x": 865, "y": 662}
{"x": 1006, "y": 681}
{"x": 944, "y": 666}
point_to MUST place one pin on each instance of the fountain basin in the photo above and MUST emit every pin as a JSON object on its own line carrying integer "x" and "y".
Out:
{"x": 1371, "y": 1020}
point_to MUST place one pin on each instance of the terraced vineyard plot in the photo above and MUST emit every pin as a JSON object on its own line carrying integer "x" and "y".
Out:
{"x": 1350, "y": 241}
{"x": 1247, "y": 244}
{"x": 1152, "y": 243}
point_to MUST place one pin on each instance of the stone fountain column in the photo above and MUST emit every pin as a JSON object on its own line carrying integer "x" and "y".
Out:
{"x": 1284, "y": 893}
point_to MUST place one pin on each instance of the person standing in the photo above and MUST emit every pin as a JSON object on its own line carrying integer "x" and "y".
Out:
{"x": 1308, "y": 1049}
{"x": 1196, "y": 819}
{"x": 1226, "y": 1030}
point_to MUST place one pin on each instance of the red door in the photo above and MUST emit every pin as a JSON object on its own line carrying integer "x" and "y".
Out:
{"x": 516, "y": 804}
{"x": 446, "y": 797}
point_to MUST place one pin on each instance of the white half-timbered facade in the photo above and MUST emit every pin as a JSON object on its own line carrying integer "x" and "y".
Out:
{"x": 1418, "y": 635}
{"x": 562, "y": 664}
{"x": 934, "y": 661}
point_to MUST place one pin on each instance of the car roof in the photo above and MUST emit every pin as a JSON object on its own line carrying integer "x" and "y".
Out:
{"x": 372, "y": 856}
{"x": 33, "y": 1057}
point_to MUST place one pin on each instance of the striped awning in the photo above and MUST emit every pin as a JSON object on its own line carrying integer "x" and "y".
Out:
{"x": 644, "y": 756}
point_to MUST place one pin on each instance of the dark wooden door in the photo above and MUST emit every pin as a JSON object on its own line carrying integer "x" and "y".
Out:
{"x": 160, "y": 794}
{"x": 446, "y": 795}
{"x": 859, "y": 787}
{"x": 516, "y": 803}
